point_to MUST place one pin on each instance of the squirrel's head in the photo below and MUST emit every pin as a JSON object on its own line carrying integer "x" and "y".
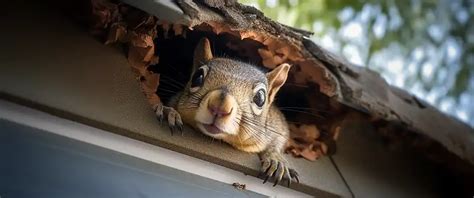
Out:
{"x": 225, "y": 96}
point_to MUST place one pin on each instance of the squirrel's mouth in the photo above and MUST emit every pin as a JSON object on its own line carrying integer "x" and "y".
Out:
{"x": 212, "y": 129}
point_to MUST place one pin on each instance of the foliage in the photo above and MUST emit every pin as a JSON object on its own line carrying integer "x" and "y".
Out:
{"x": 424, "y": 46}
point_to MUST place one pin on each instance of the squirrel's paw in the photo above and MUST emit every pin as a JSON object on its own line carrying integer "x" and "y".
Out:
{"x": 171, "y": 115}
{"x": 277, "y": 169}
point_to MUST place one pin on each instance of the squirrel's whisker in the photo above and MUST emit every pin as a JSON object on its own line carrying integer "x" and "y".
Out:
{"x": 253, "y": 126}
{"x": 177, "y": 71}
{"x": 166, "y": 91}
{"x": 295, "y": 84}
{"x": 304, "y": 112}
{"x": 170, "y": 84}
{"x": 305, "y": 108}
{"x": 173, "y": 80}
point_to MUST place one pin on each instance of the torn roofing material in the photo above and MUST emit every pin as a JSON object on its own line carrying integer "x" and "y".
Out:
{"x": 359, "y": 88}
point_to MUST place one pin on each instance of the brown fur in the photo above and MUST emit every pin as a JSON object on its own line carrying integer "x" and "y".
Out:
{"x": 229, "y": 88}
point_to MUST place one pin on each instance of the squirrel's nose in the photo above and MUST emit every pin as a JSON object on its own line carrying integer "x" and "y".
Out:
{"x": 220, "y": 106}
{"x": 219, "y": 112}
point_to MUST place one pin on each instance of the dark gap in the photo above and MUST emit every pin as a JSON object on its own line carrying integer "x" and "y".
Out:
{"x": 176, "y": 55}
{"x": 175, "y": 67}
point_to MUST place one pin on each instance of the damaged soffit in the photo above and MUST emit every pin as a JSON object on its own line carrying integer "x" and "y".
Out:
{"x": 395, "y": 113}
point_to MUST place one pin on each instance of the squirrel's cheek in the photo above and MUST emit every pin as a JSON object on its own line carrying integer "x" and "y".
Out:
{"x": 203, "y": 116}
{"x": 229, "y": 126}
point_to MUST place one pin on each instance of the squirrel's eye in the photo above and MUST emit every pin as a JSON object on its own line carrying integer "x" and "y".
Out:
{"x": 198, "y": 78}
{"x": 259, "y": 98}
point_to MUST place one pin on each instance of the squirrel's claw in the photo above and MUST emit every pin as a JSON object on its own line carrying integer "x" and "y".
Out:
{"x": 179, "y": 123}
{"x": 159, "y": 113}
{"x": 172, "y": 116}
{"x": 277, "y": 171}
{"x": 270, "y": 170}
{"x": 287, "y": 176}
{"x": 171, "y": 129}
{"x": 294, "y": 175}
{"x": 174, "y": 120}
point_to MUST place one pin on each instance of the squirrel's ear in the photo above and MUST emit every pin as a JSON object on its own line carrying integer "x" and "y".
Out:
{"x": 202, "y": 53}
{"x": 276, "y": 78}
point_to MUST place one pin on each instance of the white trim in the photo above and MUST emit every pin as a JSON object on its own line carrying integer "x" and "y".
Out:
{"x": 40, "y": 120}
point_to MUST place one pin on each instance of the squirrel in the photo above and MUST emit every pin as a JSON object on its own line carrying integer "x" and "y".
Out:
{"x": 233, "y": 101}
